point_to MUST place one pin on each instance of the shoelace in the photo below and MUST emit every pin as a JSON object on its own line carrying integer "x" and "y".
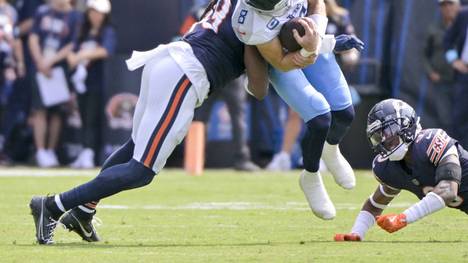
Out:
{"x": 50, "y": 230}
{"x": 96, "y": 222}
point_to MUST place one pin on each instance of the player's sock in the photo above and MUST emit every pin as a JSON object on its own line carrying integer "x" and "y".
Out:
{"x": 122, "y": 155}
{"x": 341, "y": 121}
{"x": 336, "y": 163}
{"x": 109, "y": 182}
{"x": 87, "y": 210}
{"x": 313, "y": 140}
{"x": 55, "y": 206}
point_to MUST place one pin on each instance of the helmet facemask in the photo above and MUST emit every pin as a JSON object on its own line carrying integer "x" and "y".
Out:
{"x": 392, "y": 138}
{"x": 269, "y": 8}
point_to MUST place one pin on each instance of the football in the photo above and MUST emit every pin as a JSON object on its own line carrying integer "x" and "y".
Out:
{"x": 286, "y": 35}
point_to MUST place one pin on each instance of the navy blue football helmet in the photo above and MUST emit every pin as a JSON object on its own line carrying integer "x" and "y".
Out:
{"x": 391, "y": 125}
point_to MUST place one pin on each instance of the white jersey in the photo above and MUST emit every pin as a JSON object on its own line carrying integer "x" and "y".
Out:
{"x": 254, "y": 28}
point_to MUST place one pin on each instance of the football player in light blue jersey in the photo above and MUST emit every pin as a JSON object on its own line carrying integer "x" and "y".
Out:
{"x": 319, "y": 92}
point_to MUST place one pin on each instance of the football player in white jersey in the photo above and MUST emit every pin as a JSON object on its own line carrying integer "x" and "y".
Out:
{"x": 319, "y": 92}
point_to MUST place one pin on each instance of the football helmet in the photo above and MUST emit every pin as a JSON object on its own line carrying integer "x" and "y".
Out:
{"x": 270, "y": 7}
{"x": 392, "y": 125}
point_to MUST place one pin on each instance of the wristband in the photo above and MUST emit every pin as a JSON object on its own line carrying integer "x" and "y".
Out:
{"x": 306, "y": 53}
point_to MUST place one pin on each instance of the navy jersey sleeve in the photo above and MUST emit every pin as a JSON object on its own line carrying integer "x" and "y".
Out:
{"x": 36, "y": 29}
{"x": 108, "y": 40}
{"x": 384, "y": 173}
{"x": 75, "y": 26}
{"x": 432, "y": 144}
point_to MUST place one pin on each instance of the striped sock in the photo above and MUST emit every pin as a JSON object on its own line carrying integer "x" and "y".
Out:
{"x": 87, "y": 210}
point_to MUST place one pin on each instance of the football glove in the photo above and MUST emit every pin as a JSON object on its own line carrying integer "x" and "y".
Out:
{"x": 347, "y": 42}
{"x": 391, "y": 222}
{"x": 347, "y": 237}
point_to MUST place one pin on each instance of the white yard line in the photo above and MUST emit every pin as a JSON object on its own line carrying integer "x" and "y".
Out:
{"x": 290, "y": 206}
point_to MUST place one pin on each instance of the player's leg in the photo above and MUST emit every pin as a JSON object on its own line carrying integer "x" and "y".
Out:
{"x": 326, "y": 76}
{"x": 297, "y": 92}
{"x": 79, "y": 219}
{"x": 162, "y": 126}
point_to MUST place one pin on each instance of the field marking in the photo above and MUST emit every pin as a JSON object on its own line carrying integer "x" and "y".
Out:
{"x": 289, "y": 206}
{"x": 35, "y": 172}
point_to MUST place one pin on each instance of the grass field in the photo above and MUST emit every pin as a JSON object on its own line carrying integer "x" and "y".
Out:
{"x": 221, "y": 216}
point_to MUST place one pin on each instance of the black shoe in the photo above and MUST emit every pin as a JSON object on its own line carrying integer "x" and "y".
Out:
{"x": 45, "y": 223}
{"x": 247, "y": 166}
{"x": 83, "y": 227}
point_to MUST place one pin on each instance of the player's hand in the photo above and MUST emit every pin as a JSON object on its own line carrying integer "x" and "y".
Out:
{"x": 311, "y": 40}
{"x": 347, "y": 237}
{"x": 301, "y": 61}
{"x": 391, "y": 222}
{"x": 347, "y": 42}
{"x": 460, "y": 66}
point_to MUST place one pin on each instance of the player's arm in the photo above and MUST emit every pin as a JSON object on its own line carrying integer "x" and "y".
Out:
{"x": 448, "y": 176}
{"x": 372, "y": 208}
{"x": 257, "y": 73}
{"x": 274, "y": 54}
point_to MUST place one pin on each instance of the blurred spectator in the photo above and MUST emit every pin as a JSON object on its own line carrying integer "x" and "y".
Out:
{"x": 440, "y": 73}
{"x": 11, "y": 66}
{"x": 52, "y": 39}
{"x": 456, "y": 41}
{"x": 96, "y": 43}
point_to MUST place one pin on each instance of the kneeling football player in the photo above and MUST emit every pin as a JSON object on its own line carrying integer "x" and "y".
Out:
{"x": 426, "y": 162}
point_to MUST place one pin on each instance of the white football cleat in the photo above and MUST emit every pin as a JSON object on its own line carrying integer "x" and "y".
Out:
{"x": 338, "y": 166}
{"x": 316, "y": 195}
{"x": 280, "y": 162}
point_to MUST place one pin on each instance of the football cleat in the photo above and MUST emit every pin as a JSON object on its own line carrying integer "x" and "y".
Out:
{"x": 316, "y": 195}
{"x": 83, "y": 227}
{"x": 338, "y": 166}
{"x": 45, "y": 223}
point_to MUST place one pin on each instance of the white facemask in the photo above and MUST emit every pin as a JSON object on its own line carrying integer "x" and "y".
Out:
{"x": 399, "y": 153}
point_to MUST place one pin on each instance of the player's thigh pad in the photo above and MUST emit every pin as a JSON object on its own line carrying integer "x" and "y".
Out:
{"x": 294, "y": 88}
{"x": 142, "y": 99}
{"x": 326, "y": 76}
{"x": 169, "y": 110}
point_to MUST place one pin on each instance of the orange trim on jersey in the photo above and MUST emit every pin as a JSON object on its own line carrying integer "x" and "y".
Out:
{"x": 157, "y": 139}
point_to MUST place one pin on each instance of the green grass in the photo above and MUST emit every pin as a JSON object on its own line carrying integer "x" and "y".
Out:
{"x": 260, "y": 217}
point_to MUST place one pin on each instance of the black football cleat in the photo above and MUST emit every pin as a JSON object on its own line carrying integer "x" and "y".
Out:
{"x": 83, "y": 227}
{"x": 45, "y": 223}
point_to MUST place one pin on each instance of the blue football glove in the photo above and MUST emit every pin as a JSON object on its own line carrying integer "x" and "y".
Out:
{"x": 347, "y": 42}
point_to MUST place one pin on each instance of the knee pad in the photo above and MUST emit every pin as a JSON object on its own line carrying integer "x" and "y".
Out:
{"x": 343, "y": 117}
{"x": 320, "y": 124}
{"x": 313, "y": 140}
{"x": 341, "y": 121}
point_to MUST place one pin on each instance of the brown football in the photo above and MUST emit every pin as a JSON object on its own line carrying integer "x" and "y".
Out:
{"x": 286, "y": 36}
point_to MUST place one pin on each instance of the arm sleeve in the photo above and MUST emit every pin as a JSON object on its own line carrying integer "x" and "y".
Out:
{"x": 37, "y": 21}
{"x": 437, "y": 145}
